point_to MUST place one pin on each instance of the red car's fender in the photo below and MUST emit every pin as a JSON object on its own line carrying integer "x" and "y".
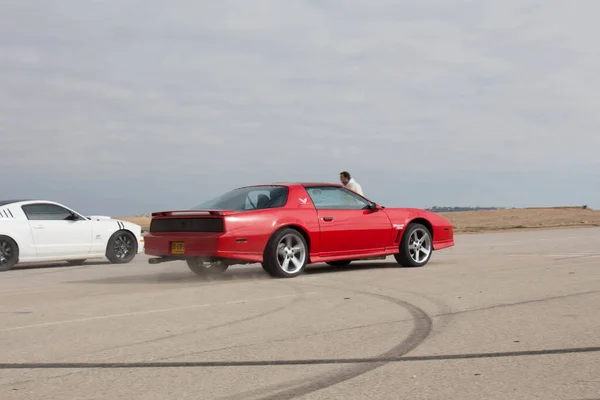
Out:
{"x": 440, "y": 228}
{"x": 250, "y": 231}
{"x": 258, "y": 226}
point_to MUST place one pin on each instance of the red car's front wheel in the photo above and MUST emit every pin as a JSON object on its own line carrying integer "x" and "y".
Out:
{"x": 416, "y": 246}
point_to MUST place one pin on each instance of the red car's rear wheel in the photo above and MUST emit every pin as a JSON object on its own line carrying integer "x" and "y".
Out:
{"x": 286, "y": 254}
{"x": 200, "y": 268}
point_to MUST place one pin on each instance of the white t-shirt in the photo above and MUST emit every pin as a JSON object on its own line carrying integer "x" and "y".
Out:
{"x": 354, "y": 186}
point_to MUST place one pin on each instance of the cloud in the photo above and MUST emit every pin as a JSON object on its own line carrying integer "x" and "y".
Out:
{"x": 162, "y": 103}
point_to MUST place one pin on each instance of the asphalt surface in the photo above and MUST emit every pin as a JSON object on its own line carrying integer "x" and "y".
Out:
{"x": 500, "y": 316}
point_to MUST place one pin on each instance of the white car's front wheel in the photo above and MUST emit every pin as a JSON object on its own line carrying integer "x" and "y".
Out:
{"x": 9, "y": 253}
{"x": 121, "y": 248}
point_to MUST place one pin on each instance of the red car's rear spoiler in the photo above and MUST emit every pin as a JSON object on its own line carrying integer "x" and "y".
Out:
{"x": 179, "y": 213}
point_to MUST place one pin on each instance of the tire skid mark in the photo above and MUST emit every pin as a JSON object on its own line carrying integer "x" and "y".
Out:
{"x": 296, "y": 362}
{"x": 421, "y": 330}
{"x": 380, "y": 360}
{"x": 443, "y": 317}
{"x": 448, "y": 312}
{"x": 193, "y": 283}
{"x": 306, "y": 336}
{"x": 174, "y": 280}
{"x": 38, "y": 270}
{"x": 294, "y": 300}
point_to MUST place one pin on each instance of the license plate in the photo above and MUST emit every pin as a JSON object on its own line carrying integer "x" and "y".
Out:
{"x": 177, "y": 247}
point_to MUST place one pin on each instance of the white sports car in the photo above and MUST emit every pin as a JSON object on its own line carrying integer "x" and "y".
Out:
{"x": 40, "y": 230}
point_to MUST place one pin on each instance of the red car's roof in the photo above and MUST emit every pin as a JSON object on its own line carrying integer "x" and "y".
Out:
{"x": 297, "y": 184}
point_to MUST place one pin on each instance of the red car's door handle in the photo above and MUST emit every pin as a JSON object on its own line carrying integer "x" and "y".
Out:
{"x": 327, "y": 218}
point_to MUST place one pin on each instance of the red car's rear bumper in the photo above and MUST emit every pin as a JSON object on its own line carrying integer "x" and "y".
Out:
{"x": 198, "y": 244}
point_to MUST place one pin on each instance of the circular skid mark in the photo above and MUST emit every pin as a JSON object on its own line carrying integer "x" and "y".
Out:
{"x": 443, "y": 317}
{"x": 421, "y": 330}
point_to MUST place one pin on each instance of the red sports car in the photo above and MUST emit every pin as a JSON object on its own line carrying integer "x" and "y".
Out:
{"x": 285, "y": 226}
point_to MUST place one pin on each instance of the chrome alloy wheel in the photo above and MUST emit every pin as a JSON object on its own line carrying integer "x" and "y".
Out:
{"x": 123, "y": 246}
{"x": 291, "y": 253}
{"x": 419, "y": 245}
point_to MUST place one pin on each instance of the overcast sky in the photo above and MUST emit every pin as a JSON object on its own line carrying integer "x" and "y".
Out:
{"x": 122, "y": 107}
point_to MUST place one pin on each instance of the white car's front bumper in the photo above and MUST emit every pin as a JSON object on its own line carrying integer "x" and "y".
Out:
{"x": 140, "y": 245}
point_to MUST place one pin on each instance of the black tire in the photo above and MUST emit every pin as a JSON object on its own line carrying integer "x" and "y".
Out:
{"x": 76, "y": 262}
{"x": 271, "y": 262}
{"x": 404, "y": 257}
{"x": 200, "y": 268}
{"x": 122, "y": 247}
{"x": 338, "y": 263}
{"x": 9, "y": 253}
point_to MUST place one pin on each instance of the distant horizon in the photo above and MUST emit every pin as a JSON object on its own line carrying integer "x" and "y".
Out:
{"x": 466, "y": 208}
{"x": 147, "y": 213}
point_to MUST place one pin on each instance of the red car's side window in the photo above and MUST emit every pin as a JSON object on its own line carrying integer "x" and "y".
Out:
{"x": 335, "y": 198}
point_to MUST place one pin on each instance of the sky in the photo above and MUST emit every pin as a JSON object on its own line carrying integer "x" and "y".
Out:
{"x": 124, "y": 107}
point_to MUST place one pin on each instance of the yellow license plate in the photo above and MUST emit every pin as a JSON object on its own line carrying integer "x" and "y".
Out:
{"x": 178, "y": 247}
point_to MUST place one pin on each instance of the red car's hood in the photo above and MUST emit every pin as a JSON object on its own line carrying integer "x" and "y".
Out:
{"x": 399, "y": 215}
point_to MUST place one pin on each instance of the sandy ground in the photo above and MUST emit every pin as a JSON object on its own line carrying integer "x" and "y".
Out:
{"x": 511, "y": 219}
{"x": 499, "y": 220}
{"x": 510, "y": 315}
